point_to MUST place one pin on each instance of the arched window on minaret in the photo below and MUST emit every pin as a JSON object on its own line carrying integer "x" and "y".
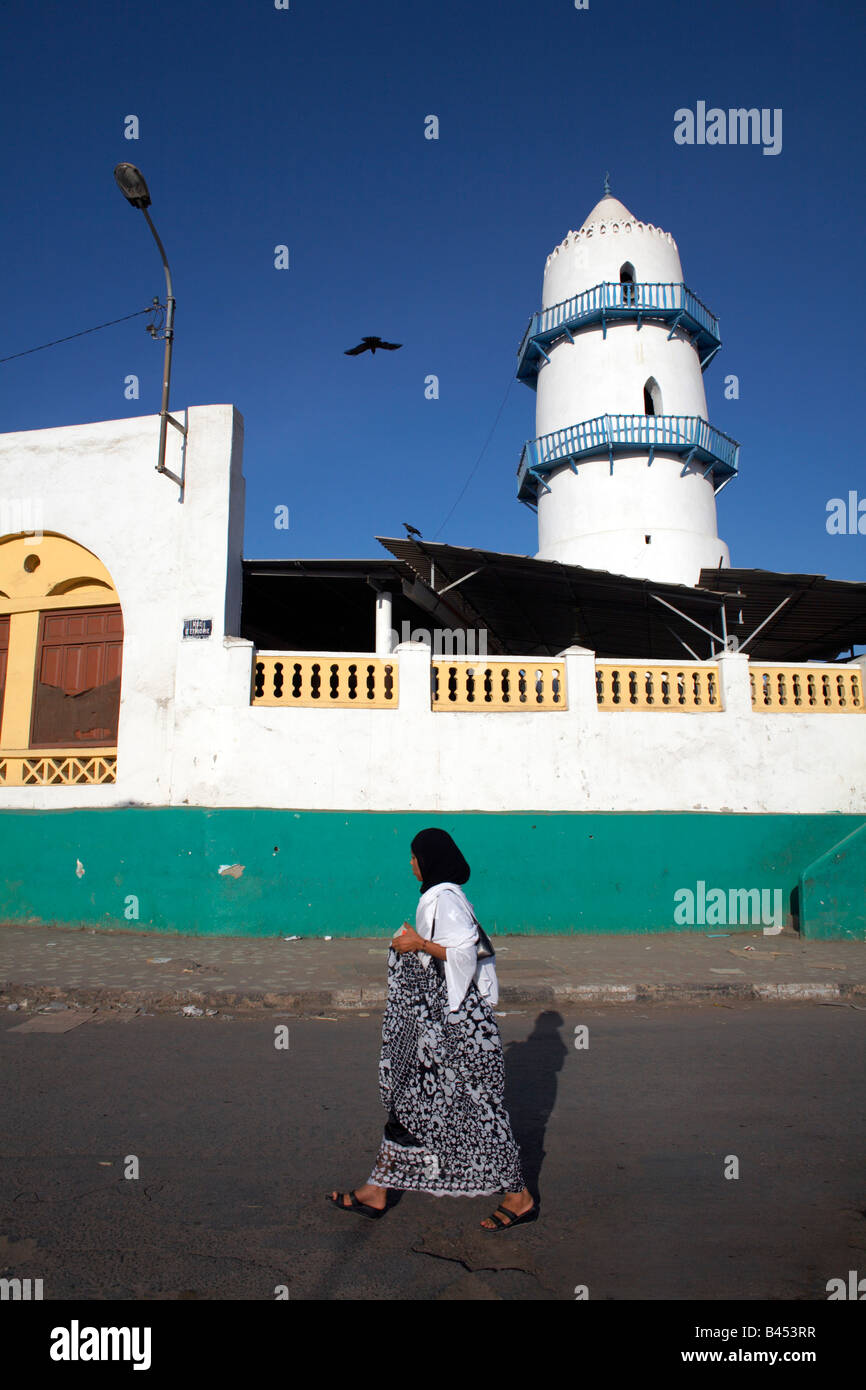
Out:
{"x": 626, "y": 279}
{"x": 652, "y": 398}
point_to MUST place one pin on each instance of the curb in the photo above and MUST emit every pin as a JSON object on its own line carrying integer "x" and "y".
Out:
{"x": 306, "y": 1000}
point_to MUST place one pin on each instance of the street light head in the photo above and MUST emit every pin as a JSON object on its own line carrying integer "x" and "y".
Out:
{"x": 131, "y": 183}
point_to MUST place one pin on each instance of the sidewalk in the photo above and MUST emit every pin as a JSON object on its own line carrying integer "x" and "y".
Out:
{"x": 156, "y": 971}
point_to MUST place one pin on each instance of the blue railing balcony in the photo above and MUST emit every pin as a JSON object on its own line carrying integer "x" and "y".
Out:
{"x": 688, "y": 436}
{"x": 614, "y": 303}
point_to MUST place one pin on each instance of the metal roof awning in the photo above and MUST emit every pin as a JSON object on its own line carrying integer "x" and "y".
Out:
{"x": 801, "y": 617}
{"x": 539, "y": 607}
{"x": 529, "y": 607}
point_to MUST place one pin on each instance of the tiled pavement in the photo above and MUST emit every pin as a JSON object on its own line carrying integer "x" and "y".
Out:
{"x": 160, "y": 971}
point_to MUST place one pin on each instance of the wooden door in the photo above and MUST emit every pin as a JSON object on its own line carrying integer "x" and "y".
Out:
{"x": 77, "y": 694}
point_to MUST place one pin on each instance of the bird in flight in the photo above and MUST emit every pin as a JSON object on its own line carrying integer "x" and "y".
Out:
{"x": 370, "y": 345}
{"x": 411, "y": 530}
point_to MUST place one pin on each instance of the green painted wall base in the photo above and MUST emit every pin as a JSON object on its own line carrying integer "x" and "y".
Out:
{"x": 833, "y": 891}
{"x": 332, "y": 873}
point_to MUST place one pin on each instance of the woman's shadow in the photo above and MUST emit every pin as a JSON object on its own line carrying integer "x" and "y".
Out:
{"x": 530, "y": 1090}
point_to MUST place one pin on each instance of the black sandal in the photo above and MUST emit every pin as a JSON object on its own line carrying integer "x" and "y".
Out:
{"x": 513, "y": 1220}
{"x": 362, "y": 1208}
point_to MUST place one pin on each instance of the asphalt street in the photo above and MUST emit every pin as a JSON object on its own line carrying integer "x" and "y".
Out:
{"x": 628, "y": 1140}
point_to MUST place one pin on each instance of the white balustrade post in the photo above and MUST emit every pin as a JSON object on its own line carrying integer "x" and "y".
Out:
{"x": 580, "y": 680}
{"x": 734, "y": 684}
{"x": 415, "y": 677}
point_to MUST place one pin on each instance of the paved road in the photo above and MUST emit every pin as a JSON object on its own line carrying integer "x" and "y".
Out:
{"x": 627, "y": 1139}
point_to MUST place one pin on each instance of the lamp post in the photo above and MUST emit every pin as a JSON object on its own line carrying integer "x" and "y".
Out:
{"x": 132, "y": 185}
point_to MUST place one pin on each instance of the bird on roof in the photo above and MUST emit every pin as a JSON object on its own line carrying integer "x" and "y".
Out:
{"x": 411, "y": 530}
{"x": 370, "y": 345}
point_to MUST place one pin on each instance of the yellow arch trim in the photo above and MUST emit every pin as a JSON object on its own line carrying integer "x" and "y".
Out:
{"x": 40, "y": 571}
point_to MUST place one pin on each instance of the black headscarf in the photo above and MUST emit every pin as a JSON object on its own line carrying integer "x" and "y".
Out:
{"x": 439, "y": 859}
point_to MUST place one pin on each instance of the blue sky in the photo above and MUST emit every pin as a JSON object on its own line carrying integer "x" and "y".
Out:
{"x": 305, "y": 127}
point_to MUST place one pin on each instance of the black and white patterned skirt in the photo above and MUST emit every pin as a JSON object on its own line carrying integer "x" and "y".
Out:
{"x": 442, "y": 1080}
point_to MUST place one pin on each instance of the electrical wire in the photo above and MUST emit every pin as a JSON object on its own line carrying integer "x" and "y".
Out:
{"x": 82, "y": 334}
{"x": 478, "y": 460}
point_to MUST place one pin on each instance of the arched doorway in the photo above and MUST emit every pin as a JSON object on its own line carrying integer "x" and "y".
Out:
{"x": 627, "y": 280}
{"x": 61, "y": 654}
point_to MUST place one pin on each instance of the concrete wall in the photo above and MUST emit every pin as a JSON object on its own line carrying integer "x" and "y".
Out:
{"x": 577, "y": 819}
{"x": 195, "y": 740}
{"x": 188, "y": 734}
{"x": 169, "y": 560}
{"x": 833, "y": 891}
{"x": 347, "y": 873}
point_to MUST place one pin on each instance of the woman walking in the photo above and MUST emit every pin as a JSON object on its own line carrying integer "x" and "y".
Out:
{"x": 442, "y": 1072}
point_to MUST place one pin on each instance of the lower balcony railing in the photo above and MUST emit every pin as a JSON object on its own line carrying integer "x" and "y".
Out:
{"x": 504, "y": 685}
{"x": 57, "y": 767}
{"x": 806, "y": 689}
{"x": 690, "y": 687}
{"x": 325, "y": 681}
{"x": 491, "y": 685}
{"x": 690, "y": 437}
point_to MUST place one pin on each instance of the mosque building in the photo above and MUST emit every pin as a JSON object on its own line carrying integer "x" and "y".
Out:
{"x": 623, "y": 732}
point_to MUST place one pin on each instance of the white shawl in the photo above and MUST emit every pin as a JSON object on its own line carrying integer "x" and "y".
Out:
{"x": 456, "y": 931}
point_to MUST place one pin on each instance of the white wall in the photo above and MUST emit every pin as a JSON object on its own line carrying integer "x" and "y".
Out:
{"x": 97, "y": 484}
{"x": 581, "y": 759}
{"x": 599, "y": 519}
{"x": 595, "y": 375}
{"x": 189, "y": 736}
{"x": 595, "y": 254}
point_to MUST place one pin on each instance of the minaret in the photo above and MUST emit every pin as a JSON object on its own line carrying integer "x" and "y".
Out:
{"x": 625, "y": 467}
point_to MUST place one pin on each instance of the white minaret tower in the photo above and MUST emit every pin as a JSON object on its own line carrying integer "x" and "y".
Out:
{"x": 625, "y": 467}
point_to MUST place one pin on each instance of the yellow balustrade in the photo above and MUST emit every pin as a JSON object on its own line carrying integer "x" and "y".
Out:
{"x": 298, "y": 680}
{"x": 783, "y": 689}
{"x": 498, "y": 686}
{"x": 58, "y": 767}
{"x": 689, "y": 687}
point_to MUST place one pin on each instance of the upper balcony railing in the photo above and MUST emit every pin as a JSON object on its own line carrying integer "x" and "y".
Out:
{"x": 673, "y": 304}
{"x": 689, "y": 436}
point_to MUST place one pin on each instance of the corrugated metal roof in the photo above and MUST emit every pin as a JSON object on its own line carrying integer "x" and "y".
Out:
{"x": 538, "y": 607}
{"x": 532, "y": 607}
{"x": 820, "y": 618}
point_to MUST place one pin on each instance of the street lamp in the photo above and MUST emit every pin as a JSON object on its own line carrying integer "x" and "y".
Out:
{"x": 132, "y": 185}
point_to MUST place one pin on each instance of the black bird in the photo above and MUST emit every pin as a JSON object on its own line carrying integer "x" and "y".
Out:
{"x": 370, "y": 345}
{"x": 411, "y": 530}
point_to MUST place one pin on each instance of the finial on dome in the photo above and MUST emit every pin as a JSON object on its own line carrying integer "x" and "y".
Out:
{"x": 606, "y": 190}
